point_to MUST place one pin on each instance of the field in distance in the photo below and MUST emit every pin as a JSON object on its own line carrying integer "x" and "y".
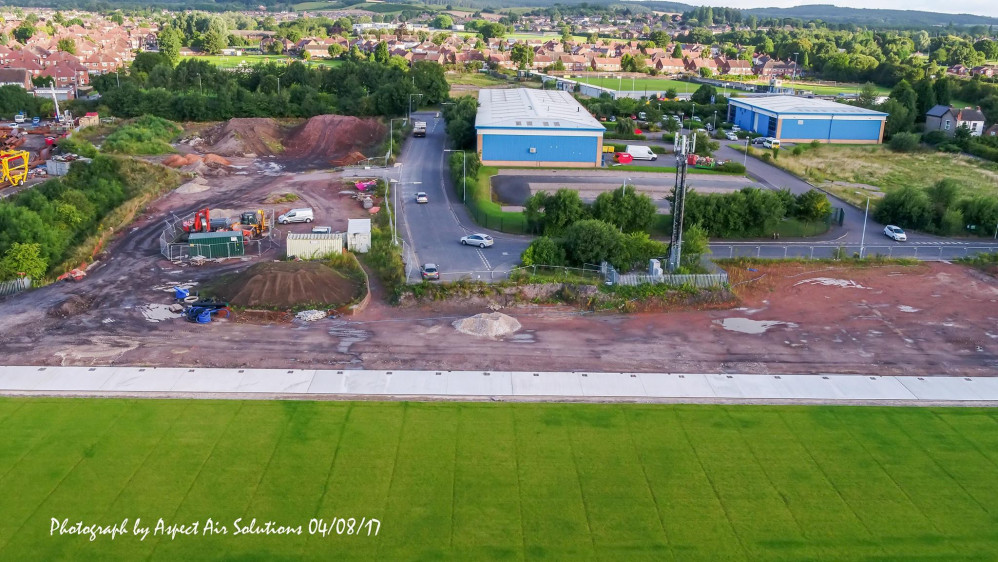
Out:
{"x": 477, "y": 481}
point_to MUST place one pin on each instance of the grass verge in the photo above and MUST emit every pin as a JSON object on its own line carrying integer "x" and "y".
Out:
{"x": 477, "y": 481}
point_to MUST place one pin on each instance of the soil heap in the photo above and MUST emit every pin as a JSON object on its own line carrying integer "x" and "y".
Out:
{"x": 492, "y": 325}
{"x": 245, "y": 136}
{"x": 288, "y": 284}
{"x": 333, "y": 139}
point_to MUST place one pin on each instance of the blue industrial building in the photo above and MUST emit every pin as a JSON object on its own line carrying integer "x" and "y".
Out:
{"x": 797, "y": 119}
{"x": 543, "y": 128}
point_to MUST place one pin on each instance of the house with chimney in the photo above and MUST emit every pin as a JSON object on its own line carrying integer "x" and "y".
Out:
{"x": 948, "y": 119}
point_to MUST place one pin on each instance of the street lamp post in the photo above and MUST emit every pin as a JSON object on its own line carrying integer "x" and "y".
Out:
{"x": 745, "y": 163}
{"x": 794, "y": 79}
{"x": 200, "y": 89}
{"x": 410, "y": 103}
{"x": 396, "y": 186}
{"x": 464, "y": 173}
{"x": 715, "y": 120}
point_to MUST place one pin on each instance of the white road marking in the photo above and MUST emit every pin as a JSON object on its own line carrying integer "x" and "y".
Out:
{"x": 485, "y": 260}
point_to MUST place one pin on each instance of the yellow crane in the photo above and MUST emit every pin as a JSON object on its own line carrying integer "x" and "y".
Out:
{"x": 14, "y": 165}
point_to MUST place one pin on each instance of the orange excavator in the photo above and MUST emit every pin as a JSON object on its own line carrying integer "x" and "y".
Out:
{"x": 253, "y": 224}
{"x": 200, "y": 223}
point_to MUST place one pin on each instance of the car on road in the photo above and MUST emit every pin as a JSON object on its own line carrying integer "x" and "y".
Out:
{"x": 477, "y": 239}
{"x": 895, "y": 233}
{"x": 759, "y": 140}
{"x": 421, "y": 197}
{"x": 731, "y": 136}
{"x": 429, "y": 271}
{"x": 296, "y": 215}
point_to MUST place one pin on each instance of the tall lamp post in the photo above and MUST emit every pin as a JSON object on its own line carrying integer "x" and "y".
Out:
{"x": 715, "y": 121}
{"x": 396, "y": 185}
{"x": 862, "y": 239}
{"x": 745, "y": 162}
{"x": 464, "y": 173}
{"x": 795, "y": 67}
{"x": 200, "y": 89}
{"x": 410, "y": 103}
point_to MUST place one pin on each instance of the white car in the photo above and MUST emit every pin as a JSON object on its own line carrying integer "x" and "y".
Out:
{"x": 480, "y": 240}
{"x": 731, "y": 136}
{"x": 421, "y": 197}
{"x": 895, "y": 233}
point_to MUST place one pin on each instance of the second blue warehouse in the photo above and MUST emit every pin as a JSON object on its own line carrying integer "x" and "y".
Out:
{"x": 797, "y": 119}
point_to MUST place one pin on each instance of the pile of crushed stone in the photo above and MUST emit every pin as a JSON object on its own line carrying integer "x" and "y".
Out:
{"x": 491, "y": 325}
{"x": 311, "y": 315}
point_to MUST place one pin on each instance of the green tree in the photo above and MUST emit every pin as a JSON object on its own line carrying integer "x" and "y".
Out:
{"x": 442, "y": 21}
{"x": 625, "y": 208}
{"x": 593, "y": 241}
{"x": 625, "y": 126}
{"x": 904, "y": 142}
{"x": 926, "y": 96}
{"x": 696, "y": 243}
{"x": 170, "y": 41}
{"x": 23, "y": 260}
{"x": 66, "y": 46}
{"x": 381, "y": 53}
{"x": 214, "y": 42}
{"x": 522, "y": 55}
{"x": 908, "y": 207}
{"x": 943, "y": 195}
{"x": 543, "y": 251}
{"x": 24, "y": 32}
{"x": 812, "y": 206}
{"x": 677, "y": 52}
{"x": 561, "y": 210}
{"x": 868, "y": 95}
{"x": 704, "y": 95}
{"x": 944, "y": 91}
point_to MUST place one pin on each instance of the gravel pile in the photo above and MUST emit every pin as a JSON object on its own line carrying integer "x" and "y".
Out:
{"x": 492, "y": 325}
{"x": 311, "y": 315}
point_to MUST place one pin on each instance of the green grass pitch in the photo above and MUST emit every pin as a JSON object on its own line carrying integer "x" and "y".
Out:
{"x": 481, "y": 481}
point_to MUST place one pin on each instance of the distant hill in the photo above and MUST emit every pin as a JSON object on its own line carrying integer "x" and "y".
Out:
{"x": 873, "y": 17}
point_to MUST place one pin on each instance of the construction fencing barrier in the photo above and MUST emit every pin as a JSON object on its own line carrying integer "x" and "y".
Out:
{"x": 924, "y": 252}
{"x": 14, "y": 286}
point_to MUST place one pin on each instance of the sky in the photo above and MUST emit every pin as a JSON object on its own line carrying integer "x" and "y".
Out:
{"x": 979, "y": 7}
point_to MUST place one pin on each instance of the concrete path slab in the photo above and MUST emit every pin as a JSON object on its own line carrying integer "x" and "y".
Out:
{"x": 304, "y": 383}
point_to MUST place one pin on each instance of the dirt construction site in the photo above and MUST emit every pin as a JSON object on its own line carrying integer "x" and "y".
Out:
{"x": 811, "y": 318}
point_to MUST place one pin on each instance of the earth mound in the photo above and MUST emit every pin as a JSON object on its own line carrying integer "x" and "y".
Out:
{"x": 72, "y": 306}
{"x": 491, "y": 325}
{"x": 245, "y": 136}
{"x": 288, "y": 284}
{"x": 338, "y": 139}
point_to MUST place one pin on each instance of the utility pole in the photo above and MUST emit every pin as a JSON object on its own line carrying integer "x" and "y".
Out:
{"x": 685, "y": 146}
{"x": 862, "y": 239}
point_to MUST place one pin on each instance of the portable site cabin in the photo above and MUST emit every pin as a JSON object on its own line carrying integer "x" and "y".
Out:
{"x": 359, "y": 235}
{"x": 310, "y": 246}
{"x": 224, "y": 244}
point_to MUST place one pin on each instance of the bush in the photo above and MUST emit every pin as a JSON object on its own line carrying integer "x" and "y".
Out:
{"x": 983, "y": 151}
{"x": 731, "y": 167}
{"x": 76, "y": 145}
{"x": 543, "y": 251}
{"x": 798, "y": 150}
{"x": 593, "y": 241}
{"x": 904, "y": 142}
{"x": 934, "y": 137}
{"x": 146, "y": 135}
{"x": 767, "y": 156}
{"x": 908, "y": 206}
{"x": 949, "y": 147}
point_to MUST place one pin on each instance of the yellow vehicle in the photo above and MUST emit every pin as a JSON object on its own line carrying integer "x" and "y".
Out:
{"x": 14, "y": 165}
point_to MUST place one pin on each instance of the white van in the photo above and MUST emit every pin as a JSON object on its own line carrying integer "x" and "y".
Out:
{"x": 296, "y": 215}
{"x": 770, "y": 142}
{"x": 639, "y": 152}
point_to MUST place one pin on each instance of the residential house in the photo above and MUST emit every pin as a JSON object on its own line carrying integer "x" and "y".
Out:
{"x": 957, "y": 69}
{"x": 669, "y": 65}
{"x": 695, "y": 64}
{"x": 606, "y": 64}
{"x": 991, "y": 131}
{"x": 947, "y": 119}
{"x": 988, "y": 71}
{"x": 737, "y": 67}
{"x": 15, "y": 77}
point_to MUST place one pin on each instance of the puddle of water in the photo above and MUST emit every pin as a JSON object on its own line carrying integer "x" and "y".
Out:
{"x": 906, "y": 308}
{"x": 749, "y": 326}
{"x": 831, "y": 282}
{"x": 156, "y": 312}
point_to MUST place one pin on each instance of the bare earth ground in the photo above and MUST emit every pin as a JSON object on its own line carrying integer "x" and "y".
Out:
{"x": 791, "y": 318}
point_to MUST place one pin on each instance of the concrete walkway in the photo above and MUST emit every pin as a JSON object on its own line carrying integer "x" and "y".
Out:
{"x": 476, "y": 385}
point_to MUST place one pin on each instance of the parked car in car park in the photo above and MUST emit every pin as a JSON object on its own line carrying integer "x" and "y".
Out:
{"x": 895, "y": 233}
{"x": 477, "y": 239}
{"x": 731, "y": 136}
{"x": 296, "y": 215}
{"x": 758, "y": 140}
{"x": 429, "y": 271}
{"x": 421, "y": 197}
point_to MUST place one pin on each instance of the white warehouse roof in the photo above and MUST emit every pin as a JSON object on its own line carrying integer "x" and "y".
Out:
{"x": 799, "y": 105}
{"x": 527, "y": 108}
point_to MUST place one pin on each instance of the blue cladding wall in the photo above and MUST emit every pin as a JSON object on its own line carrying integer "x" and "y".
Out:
{"x": 516, "y": 148}
{"x": 828, "y": 129}
{"x": 763, "y": 125}
{"x": 744, "y": 117}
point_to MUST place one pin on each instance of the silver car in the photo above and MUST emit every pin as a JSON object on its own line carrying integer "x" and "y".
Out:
{"x": 477, "y": 239}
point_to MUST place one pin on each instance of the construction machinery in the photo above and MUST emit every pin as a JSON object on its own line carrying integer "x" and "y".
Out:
{"x": 253, "y": 224}
{"x": 14, "y": 167}
{"x": 200, "y": 223}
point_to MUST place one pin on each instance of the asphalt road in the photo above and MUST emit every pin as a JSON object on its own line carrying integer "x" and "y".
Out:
{"x": 433, "y": 229}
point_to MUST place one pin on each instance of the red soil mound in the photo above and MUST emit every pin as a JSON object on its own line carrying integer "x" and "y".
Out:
{"x": 288, "y": 284}
{"x": 328, "y": 138}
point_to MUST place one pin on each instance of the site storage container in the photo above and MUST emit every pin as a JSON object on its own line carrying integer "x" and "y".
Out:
{"x": 311, "y": 246}
{"x": 225, "y": 244}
